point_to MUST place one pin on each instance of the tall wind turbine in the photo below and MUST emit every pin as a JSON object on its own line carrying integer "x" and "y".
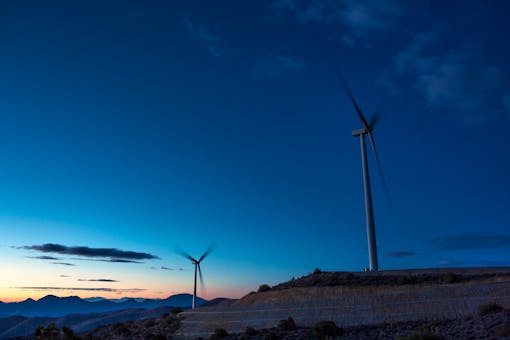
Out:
{"x": 196, "y": 263}
{"x": 367, "y": 129}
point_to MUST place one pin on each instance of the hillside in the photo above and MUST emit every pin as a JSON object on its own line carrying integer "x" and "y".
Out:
{"x": 53, "y": 306}
{"x": 353, "y": 299}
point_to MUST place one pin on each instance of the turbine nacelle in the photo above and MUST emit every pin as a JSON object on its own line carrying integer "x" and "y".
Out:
{"x": 196, "y": 263}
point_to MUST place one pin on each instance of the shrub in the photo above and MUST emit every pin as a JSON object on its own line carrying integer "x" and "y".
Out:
{"x": 406, "y": 280}
{"x": 120, "y": 329}
{"x": 423, "y": 335}
{"x": 489, "y": 308}
{"x": 164, "y": 315}
{"x": 219, "y": 333}
{"x": 177, "y": 310}
{"x": 68, "y": 333}
{"x": 149, "y": 323}
{"x": 250, "y": 331}
{"x": 328, "y": 329}
{"x": 264, "y": 288}
{"x": 349, "y": 276}
{"x": 317, "y": 271}
{"x": 503, "y": 331}
{"x": 287, "y": 325}
{"x": 49, "y": 332}
{"x": 450, "y": 278}
{"x": 271, "y": 336}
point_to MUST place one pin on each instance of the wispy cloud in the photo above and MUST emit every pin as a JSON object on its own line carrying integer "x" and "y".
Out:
{"x": 274, "y": 65}
{"x": 357, "y": 17}
{"x": 109, "y": 254}
{"x": 64, "y": 263}
{"x": 168, "y": 268}
{"x": 401, "y": 254}
{"x": 471, "y": 241}
{"x": 64, "y": 276}
{"x": 44, "y": 257}
{"x": 102, "y": 289}
{"x": 97, "y": 280}
{"x": 458, "y": 82}
{"x": 202, "y": 35}
{"x": 475, "y": 263}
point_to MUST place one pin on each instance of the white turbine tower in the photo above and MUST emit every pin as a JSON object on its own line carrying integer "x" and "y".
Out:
{"x": 196, "y": 263}
{"x": 367, "y": 129}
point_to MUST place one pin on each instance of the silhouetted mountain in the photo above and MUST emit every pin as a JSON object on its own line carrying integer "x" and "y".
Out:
{"x": 53, "y": 306}
{"x": 15, "y": 326}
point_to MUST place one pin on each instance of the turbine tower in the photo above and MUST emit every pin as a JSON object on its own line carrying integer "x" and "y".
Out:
{"x": 367, "y": 129}
{"x": 196, "y": 263}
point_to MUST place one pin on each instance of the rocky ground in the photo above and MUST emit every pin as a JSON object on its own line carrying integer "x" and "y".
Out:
{"x": 493, "y": 324}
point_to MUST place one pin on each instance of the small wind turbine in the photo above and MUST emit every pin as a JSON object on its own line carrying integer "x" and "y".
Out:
{"x": 367, "y": 129}
{"x": 196, "y": 263}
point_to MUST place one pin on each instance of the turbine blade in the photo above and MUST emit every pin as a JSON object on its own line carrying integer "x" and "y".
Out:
{"x": 184, "y": 254}
{"x": 202, "y": 284}
{"x": 381, "y": 172}
{"x": 207, "y": 252}
{"x": 353, "y": 100}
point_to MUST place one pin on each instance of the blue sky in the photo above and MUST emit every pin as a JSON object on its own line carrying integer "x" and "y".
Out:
{"x": 143, "y": 126}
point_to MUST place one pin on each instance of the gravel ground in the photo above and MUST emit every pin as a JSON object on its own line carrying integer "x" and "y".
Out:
{"x": 495, "y": 325}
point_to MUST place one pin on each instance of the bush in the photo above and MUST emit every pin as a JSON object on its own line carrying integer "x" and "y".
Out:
{"x": 120, "y": 329}
{"x": 287, "y": 325}
{"x": 68, "y": 334}
{"x": 49, "y": 332}
{"x": 149, "y": 323}
{"x": 271, "y": 336}
{"x": 450, "y": 278}
{"x": 164, "y": 315}
{"x": 423, "y": 335}
{"x": 328, "y": 329}
{"x": 503, "y": 331}
{"x": 250, "y": 331}
{"x": 177, "y": 310}
{"x": 219, "y": 333}
{"x": 489, "y": 308}
{"x": 406, "y": 280}
{"x": 317, "y": 271}
{"x": 349, "y": 276}
{"x": 264, "y": 288}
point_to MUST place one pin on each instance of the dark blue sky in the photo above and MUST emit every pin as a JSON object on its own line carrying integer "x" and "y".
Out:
{"x": 140, "y": 126}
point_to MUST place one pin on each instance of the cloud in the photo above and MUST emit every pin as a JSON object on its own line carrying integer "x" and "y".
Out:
{"x": 471, "y": 241}
{"x": 275, "y": 65}
{"x": 401, "y": 254}
{"x": 166, "y": 268}
{"x": 102, "y": 289}
{"x": 358, "y": 17}
{"x": 44, "y": 257}
{"x": 458, "y": 82}
{"x": 199, "y": 33}
{"x": 476, "y": 263}
{"x": 64, "y": 263}
{"x": 64, "y": 276}
{"x": 110, "y": 254}
{"x": 97, "y": 280}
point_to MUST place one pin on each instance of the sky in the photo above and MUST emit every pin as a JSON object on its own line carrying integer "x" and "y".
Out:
{"x": 130, "y": 128}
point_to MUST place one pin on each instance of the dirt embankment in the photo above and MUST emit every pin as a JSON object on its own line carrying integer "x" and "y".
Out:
{"x": 425, "y": 295}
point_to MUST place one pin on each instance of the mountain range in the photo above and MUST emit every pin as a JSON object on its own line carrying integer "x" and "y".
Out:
{"x": 53, "y": 306}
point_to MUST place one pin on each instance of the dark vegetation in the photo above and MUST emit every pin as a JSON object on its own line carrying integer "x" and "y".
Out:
{"x": 264, "y": 288}
{"x": 52, "y": 332}
{"x": 327, "y": 279}
{"x": 489, "y": 308}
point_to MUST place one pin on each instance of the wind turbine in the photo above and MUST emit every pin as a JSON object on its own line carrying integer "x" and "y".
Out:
{"x": 196, "y": 263}
{"x": 367, "y": 129}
